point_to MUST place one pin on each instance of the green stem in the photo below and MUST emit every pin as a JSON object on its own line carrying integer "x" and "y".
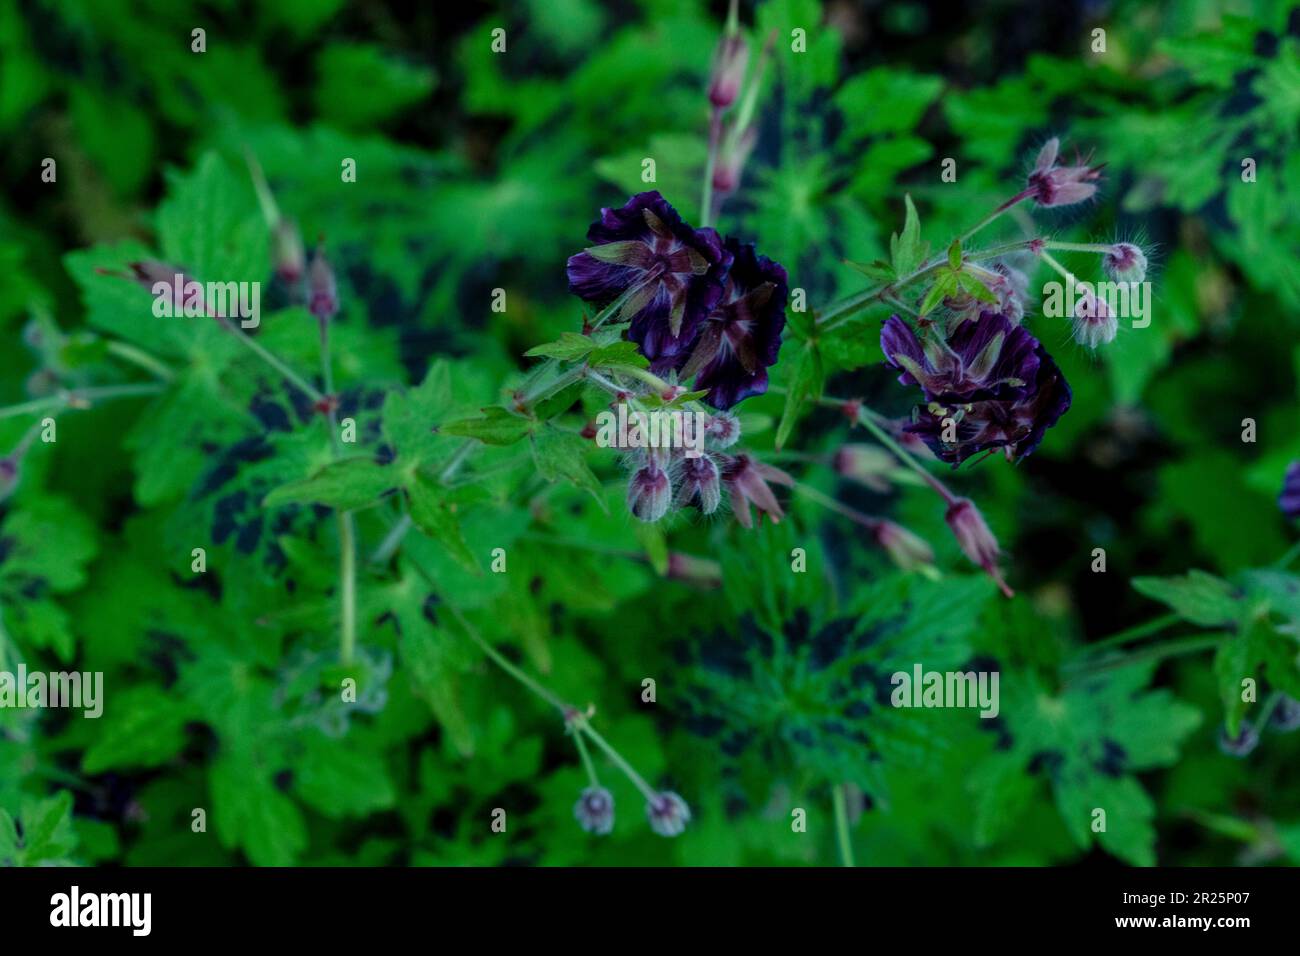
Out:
{"x": 586, "y": 757}
{"x": 842, "y": 825}
{"x": 581, "y": 724}
{"x": 141, "y": 358}
{"x": 710, "y": 164}
{"x": 1132, "y": 634}
{"x": 288, "y": 374}
{"x": 501, "y": 661}
{"x": 1097, "y": 247}
{"x": 867, "y": 421}
{"x": 348, "y": 587}
{"x": 1156, "y": 652}
{"x": 1285, "y": 561}
{"x": 995, "y": 214}
{"x": 75, "y": 397}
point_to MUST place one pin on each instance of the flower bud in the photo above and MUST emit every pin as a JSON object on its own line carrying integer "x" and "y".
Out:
{"x": 1094, "y": 323}
{"x": 595, "y": 810}
{"x": 975, "y": 538}
{"x": 1247, "y": 740}
{"x": 1053, "y": 185}
{"x": 723, "y": 429}
{"x": 729, "y": 62}
{"x": 905, "y": 549}
{"x": 731, "y": 163}
{"x": 870, "y": 465}
{"x": 324, "y": 298}
{"x": 668, "y": 814}
{"x": 700, "y": 479}
{"x": 649, "y": 493}
{"x": 1286, "y": 715}
{"x": 290, "y": 258}
{"x": 1289, "y": 498}
{"x": 1125, "y": 262}
{"x": 8, "y": 477}
{"x": 700, "y": 572}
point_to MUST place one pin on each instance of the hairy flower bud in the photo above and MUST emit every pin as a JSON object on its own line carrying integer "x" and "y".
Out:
{"x": 731, "y": 163}
{"x": 8, "y": 477}
{"x": 668, "y": 813}
{"x": 649, "y": 493}
{"x": 976, "y": 540}
{"x": 1053, "y": 185}
{"x": 700, "y": 572}
{"x": 290, "y": 258}
{"x": 1094, "y": 322}
{"x": 1286, "y": 715}
{"x": 870, "y": 465}
{"x": 729, "y": 62}
{"x": 324, "y": 296}
{"x": 700, "y": 479}
{"x": 723, "y": 429}
{"x": 1247, "y": 740}
{"x": 1125, "y": 262}
{"x": 1289, "y": 499}
{"x": 905, "y": 549}
{"x": 595, "y": 810}
{"x": 747, "y": 481}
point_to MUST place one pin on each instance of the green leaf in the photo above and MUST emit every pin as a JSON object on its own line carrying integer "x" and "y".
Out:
{"x": 954, "y": 255}
{"x": 48, "y": 836}
{"x": 142, "y": 726}
{"x": 434, "y": 513}
{"x": 906, "y": 249}
{"x": 248, "y": 811}
{"x": 878, "y": 269}
{"x": 568, "y": 348}
{"x": 496, "y": 427}
{"x": 618, "y": 354}
{"x": 561, "y": 455}
{"x": 425, "y": 656}
{"x": 344, "y": 485}
{"x": 805, "y": 385}
{"x": 342, "y": 780}
{"x": 944, "y": 285}
{"x": 1197, "y": 597}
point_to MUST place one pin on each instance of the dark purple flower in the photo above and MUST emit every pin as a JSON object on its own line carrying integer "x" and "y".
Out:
{"x": 742, "y": 336}
{"x": 1289, "y": 499}
{"x": 671, "y": 273}
{"x": 989, "y": 385}
{"x": 989, "y": 357}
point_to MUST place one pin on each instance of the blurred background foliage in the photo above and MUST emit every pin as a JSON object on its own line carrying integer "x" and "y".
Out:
{"x": 478, "y": 170}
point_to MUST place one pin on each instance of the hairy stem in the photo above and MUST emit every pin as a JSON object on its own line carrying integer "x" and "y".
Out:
{"x": 842, "y": 824}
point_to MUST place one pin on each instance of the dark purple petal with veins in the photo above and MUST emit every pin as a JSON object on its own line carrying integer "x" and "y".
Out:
{"x": 671, "y": 274}
{"x": 988, "y": 358}
{"x": 742, "y": 337}
{"x": 955, "y": 431}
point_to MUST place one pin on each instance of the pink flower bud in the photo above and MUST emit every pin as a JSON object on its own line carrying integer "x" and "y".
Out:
{"x": 595, "y": 810}
{"x": 904, "y": 548}
{"x": 722, "y": 429}
{"x": 976, "y": 540}
{"x": 668, "y": 814}
{"x": 1053, "y": 185}
{"x": 729, "y": 62}
{"x": 1094, "y": 323}
{"x": 290, "y": 259}
{"x": 649, "y": 493}
{"x": 870, "y": 465}
{"x": 699, "y": 572}
{"x": 1125, "y": 262}
{"x": 324, "y": 300}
